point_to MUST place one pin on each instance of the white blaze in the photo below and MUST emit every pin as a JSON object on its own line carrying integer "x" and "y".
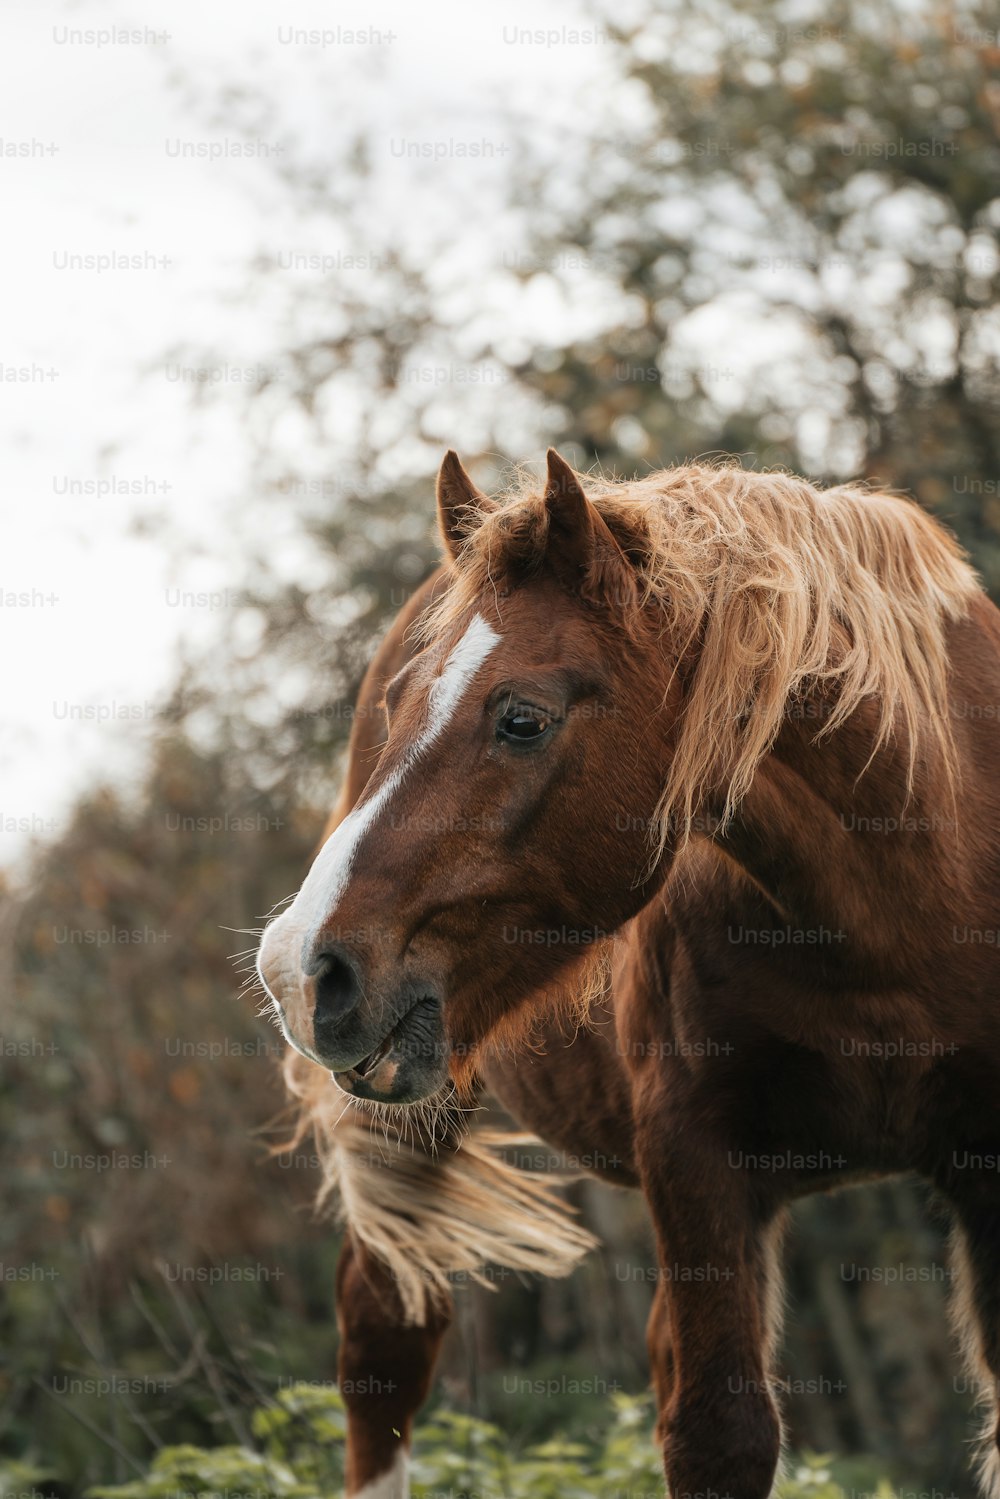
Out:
{"x": 327, "y": 879}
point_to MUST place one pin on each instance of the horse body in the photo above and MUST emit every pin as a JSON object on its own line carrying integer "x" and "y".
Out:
{"x": 797, "y": 991}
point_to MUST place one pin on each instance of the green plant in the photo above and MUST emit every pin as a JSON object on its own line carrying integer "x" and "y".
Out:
{"x": 25, "y": 1480}
{"x": 301, "y": 1436}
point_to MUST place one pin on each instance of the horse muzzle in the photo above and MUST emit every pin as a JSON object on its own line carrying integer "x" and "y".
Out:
{"x": 381, "y": 1036}
{"x": 409, "y": 1063}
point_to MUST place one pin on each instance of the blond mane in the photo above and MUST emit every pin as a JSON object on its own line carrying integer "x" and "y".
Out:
{"x": 429, "y": 1215}
{"x": 777, "y": 590}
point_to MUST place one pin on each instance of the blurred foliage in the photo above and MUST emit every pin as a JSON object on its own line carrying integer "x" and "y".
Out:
{"x": 139, "y": 1106}
{"x": 777, "y": 237}
{"x": 300, "y": 1447}
{"x": 821, "y": 182}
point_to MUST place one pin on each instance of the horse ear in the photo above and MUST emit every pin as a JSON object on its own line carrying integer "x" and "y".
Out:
{"x": 459, "y": 503}
{"x": 581, "y": 549}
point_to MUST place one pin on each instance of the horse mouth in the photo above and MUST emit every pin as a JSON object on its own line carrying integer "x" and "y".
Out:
{"x": 368, "y": 1064}
{"x": 406, "y": 1061}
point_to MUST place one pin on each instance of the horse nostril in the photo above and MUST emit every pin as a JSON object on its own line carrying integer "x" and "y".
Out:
{"x": 337, "y": 989}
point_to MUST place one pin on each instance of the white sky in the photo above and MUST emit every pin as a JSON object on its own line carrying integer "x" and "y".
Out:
{"x": 107, "y": 643}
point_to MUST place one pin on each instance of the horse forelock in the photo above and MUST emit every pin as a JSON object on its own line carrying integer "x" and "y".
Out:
{"x": 772, "y": 589}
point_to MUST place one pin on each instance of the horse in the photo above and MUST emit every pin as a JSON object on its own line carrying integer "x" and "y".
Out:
{"x": 671, "y": 817}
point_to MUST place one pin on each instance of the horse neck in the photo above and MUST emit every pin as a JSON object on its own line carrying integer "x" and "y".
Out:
{"x": 837, "y": 843}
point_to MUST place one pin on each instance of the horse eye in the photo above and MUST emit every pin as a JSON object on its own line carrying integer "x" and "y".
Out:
{"x": 523, "y": 725}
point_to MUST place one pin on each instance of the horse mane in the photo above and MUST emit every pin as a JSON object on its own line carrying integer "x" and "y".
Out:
{"x": 430, "y": 1199}
{"x": 772, "y": 589}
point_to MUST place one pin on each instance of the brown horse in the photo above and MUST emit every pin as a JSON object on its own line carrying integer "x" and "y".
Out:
{"x": 696, "y": 779}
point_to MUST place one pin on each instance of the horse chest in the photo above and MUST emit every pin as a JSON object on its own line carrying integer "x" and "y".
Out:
{"x": 821, "y": 1083}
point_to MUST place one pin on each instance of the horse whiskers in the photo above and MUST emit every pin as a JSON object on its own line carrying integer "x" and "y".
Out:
{"x": 285, "y": 900}
{"x": 425, "y": 1125}
{"x": 268, "y": 1012}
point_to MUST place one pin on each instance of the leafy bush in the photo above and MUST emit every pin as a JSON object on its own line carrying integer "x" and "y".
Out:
{"x": 24, "y": 1480}
{"x": 300, "y": 1449}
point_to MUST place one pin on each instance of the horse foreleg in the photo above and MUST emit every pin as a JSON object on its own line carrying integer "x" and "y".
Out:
{"x": 661, "y": 1353}
{"x": 717, "y": 1305}
{"x": 385, "y": 1369}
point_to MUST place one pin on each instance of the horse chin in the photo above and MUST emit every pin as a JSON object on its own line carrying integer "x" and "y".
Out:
{"x": 409, "y": 1064}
